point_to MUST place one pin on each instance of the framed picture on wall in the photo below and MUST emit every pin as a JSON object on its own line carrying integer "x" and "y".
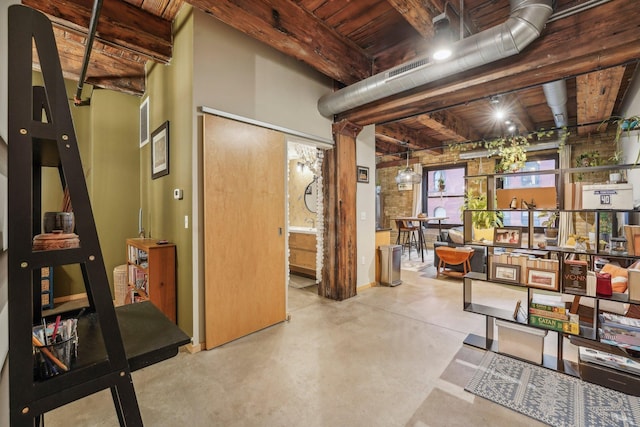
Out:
{"x": 144, "y": 122}
{"x": 363, "y": 174}
{"x": 160, "y": 151}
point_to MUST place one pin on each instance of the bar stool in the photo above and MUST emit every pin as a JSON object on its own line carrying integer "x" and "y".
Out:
{"x": 406, "y": 235}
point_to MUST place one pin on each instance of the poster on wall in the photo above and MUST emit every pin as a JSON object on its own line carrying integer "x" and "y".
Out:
{"x": 144, "y": 122}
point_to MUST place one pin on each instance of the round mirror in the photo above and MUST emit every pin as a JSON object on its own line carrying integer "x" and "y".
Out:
{"x": 310, "y": 196}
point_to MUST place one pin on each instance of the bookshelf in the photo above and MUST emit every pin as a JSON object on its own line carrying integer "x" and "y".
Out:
{"x": 558, "y": 283}
{"x": 151, "y": 274}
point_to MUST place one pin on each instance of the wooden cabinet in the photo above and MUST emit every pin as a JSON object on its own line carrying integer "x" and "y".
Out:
{"x": 302, "y": 253}
{"x": 151, "y": 274}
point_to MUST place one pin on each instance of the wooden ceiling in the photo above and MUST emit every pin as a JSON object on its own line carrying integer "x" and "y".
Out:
{"x": 592, "y": 45}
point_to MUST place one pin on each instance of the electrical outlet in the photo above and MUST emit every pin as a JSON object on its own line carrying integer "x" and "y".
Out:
{"x": 363, "y": 216}
{"x": 362, "y": 260}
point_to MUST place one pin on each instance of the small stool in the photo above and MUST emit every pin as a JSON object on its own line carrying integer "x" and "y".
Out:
{"x": 409, "y": 238}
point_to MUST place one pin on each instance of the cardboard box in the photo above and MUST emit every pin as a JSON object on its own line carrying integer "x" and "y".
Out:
{"x": 607, "y": 196}
{"x": 520, "y": 341}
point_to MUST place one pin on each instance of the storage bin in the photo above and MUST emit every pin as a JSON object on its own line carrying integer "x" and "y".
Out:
{"x": 520, "y": 341}
{"x": 607, "y": 196}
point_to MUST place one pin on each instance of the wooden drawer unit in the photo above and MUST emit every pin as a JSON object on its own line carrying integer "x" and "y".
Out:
{"x": 302, "y": 253}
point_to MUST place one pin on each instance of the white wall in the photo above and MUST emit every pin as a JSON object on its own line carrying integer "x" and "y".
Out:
{"x": 366, "y": 208}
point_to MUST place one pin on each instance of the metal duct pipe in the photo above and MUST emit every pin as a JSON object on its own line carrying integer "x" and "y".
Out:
{"x": 526, "y": 21}
{"x": 556, "y": 94}
{"x": 93, "y": 24}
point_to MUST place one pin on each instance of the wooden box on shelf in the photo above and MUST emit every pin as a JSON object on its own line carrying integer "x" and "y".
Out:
{"x": 151, "y": 274}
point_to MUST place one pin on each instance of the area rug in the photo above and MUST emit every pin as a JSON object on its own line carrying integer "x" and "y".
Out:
{"x": 412, "y": 261}
{"x": 551, "y": 397}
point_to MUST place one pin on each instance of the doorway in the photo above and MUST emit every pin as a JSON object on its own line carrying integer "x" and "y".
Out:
{"x": 304, "y": 217}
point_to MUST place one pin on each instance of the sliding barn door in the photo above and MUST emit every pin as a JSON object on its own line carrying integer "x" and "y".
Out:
{"x": 244, "y": 222}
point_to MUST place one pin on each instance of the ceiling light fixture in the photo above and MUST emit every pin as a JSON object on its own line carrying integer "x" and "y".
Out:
{"x": 407, "y": 175}
{"x": 442, "y": 39}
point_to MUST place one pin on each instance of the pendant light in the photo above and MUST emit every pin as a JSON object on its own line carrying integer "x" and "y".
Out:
{"x": 408, "y": 175}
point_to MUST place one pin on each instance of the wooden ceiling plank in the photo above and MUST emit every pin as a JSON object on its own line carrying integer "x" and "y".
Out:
{"x": 120, "y": 24}
{"x": 546, "y": 59}
{"x": 596, "y": 96}
{"x": 448, "y": 125}
{"x": 292, "y": 30}
{"x": 417, "y": 14}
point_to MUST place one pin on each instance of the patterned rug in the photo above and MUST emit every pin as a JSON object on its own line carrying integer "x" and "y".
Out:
{"x": 413, "y": 260}
{"x": 551, "y": 397}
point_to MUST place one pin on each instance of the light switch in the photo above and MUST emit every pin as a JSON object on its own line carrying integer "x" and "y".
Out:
{"x": 177, "y": 194}
{"x": 363, "y": 216}
{"x": 186, "y": 221}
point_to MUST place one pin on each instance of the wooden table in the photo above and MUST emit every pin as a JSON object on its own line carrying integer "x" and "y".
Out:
{"x": 420, "y": 220}
{"x": 454, "y": 256}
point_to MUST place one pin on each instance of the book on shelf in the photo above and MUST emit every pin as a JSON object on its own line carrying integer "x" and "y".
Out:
{"x": 570, "y": 326}
{"x": 634, "y": 283}
{"x": 548, "y": 302}
{"x": 614, "y": 361}
{"x": 630, "y": 233}
{"x": 574, "y": 277}
{"x": 619, "y": 330}
{"x": 560, "y": 315}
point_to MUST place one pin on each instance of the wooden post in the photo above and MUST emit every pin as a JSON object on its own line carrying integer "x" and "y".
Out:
{"x": 339, "y": 269}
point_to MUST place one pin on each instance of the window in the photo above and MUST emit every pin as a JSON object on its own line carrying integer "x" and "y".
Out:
{"x": 542, "y": 164}
{"x": 443, "y": 193}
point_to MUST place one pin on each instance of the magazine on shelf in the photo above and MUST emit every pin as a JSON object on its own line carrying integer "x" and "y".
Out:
{"x": 614, "y": 361}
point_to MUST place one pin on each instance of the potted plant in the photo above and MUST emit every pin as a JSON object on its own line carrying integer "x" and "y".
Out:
{"x": 441, "y": 185}
{"x": 482, "y": 220}
{"x": 549, "y": 224}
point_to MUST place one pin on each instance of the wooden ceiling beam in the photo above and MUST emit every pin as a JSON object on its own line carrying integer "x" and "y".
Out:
{"x": 293, "y": 31}
{"x": 120, "y": 24}
{"x": 448, "y": 125}
{"x": 385, "y": 146}
{"x": 596, "y": 96}
{"x": 106, "y": 70}
{"x": 414, "y": 139}
{"x": 418, "y": 14}
{"x": 546, "y": 59}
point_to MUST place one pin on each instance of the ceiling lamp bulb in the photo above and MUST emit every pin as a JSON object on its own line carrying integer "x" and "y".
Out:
{"x": 442, "y": 39}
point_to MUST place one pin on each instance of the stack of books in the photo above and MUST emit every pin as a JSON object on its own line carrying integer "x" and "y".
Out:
{"x": 620, "y": 331}
{"x": 550, "y": 312}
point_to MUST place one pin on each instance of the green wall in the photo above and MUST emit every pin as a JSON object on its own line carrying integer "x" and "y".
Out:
{"x": 107, "y": 135}
{"x": 169, "y": 89}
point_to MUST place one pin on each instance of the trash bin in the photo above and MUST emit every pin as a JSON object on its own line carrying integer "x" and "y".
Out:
{"x": 390, "y": 257}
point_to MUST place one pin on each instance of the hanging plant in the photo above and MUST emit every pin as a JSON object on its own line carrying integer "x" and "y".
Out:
{"x": 624, "y": 126}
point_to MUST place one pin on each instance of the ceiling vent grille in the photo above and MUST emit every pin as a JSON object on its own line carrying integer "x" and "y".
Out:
{"x": 408, "y": 67}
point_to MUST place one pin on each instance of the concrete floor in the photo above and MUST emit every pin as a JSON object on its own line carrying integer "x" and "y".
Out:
{"x": 387, "y": 357}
